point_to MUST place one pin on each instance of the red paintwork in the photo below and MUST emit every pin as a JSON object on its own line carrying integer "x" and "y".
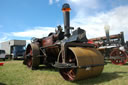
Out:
{"x": 119, "y": 53}
{"x": 90, "y": 42}
{"x": 1, "y": 64}
{"x": 47, "y": 41}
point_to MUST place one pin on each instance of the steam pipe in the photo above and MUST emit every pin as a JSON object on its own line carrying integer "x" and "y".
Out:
{"x": 66, "y": 13}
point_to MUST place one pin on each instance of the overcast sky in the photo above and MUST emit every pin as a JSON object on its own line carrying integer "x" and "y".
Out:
{"x": 24, "y": 19}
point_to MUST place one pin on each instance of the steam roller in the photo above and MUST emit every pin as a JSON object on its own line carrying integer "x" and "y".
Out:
{"x": 71, "y": 53}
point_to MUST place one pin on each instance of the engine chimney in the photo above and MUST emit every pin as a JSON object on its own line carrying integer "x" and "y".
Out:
{"x": 66, "y": 13}
{"x": 122, "y": 38}
{"x": 107, "y": 27}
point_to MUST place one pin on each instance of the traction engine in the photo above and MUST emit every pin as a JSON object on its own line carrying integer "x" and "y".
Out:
{"x": 69, "y": 52}
{"x": 113, "y": 47}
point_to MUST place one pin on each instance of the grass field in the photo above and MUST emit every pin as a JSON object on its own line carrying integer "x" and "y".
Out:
{"x": 15, "y": 73}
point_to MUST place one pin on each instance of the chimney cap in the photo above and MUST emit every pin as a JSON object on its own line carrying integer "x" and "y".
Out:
{"x": 66, "y": 7}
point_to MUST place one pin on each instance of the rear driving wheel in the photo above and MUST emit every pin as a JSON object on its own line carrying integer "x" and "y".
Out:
{"x": 119, "y": 57}
{"x": 31, "y": 56}
{"x": 28, "y": 56}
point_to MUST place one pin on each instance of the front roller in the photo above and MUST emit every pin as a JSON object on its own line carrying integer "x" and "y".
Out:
{"x": 89, "y": 63}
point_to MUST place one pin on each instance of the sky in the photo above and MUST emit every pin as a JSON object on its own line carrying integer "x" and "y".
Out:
{"x": 24, "y": 19}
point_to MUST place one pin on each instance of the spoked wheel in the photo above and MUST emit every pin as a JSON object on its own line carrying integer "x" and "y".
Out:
{"x": 31, "y": 58}
{"x": 118, "y": 57}
{"x": 29, "y": 63}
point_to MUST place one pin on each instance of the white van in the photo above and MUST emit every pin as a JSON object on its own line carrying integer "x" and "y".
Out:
{"x": 2, "y": 54}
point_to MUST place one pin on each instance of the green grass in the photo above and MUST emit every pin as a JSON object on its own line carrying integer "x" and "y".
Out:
{"x": 15, "y": 73}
